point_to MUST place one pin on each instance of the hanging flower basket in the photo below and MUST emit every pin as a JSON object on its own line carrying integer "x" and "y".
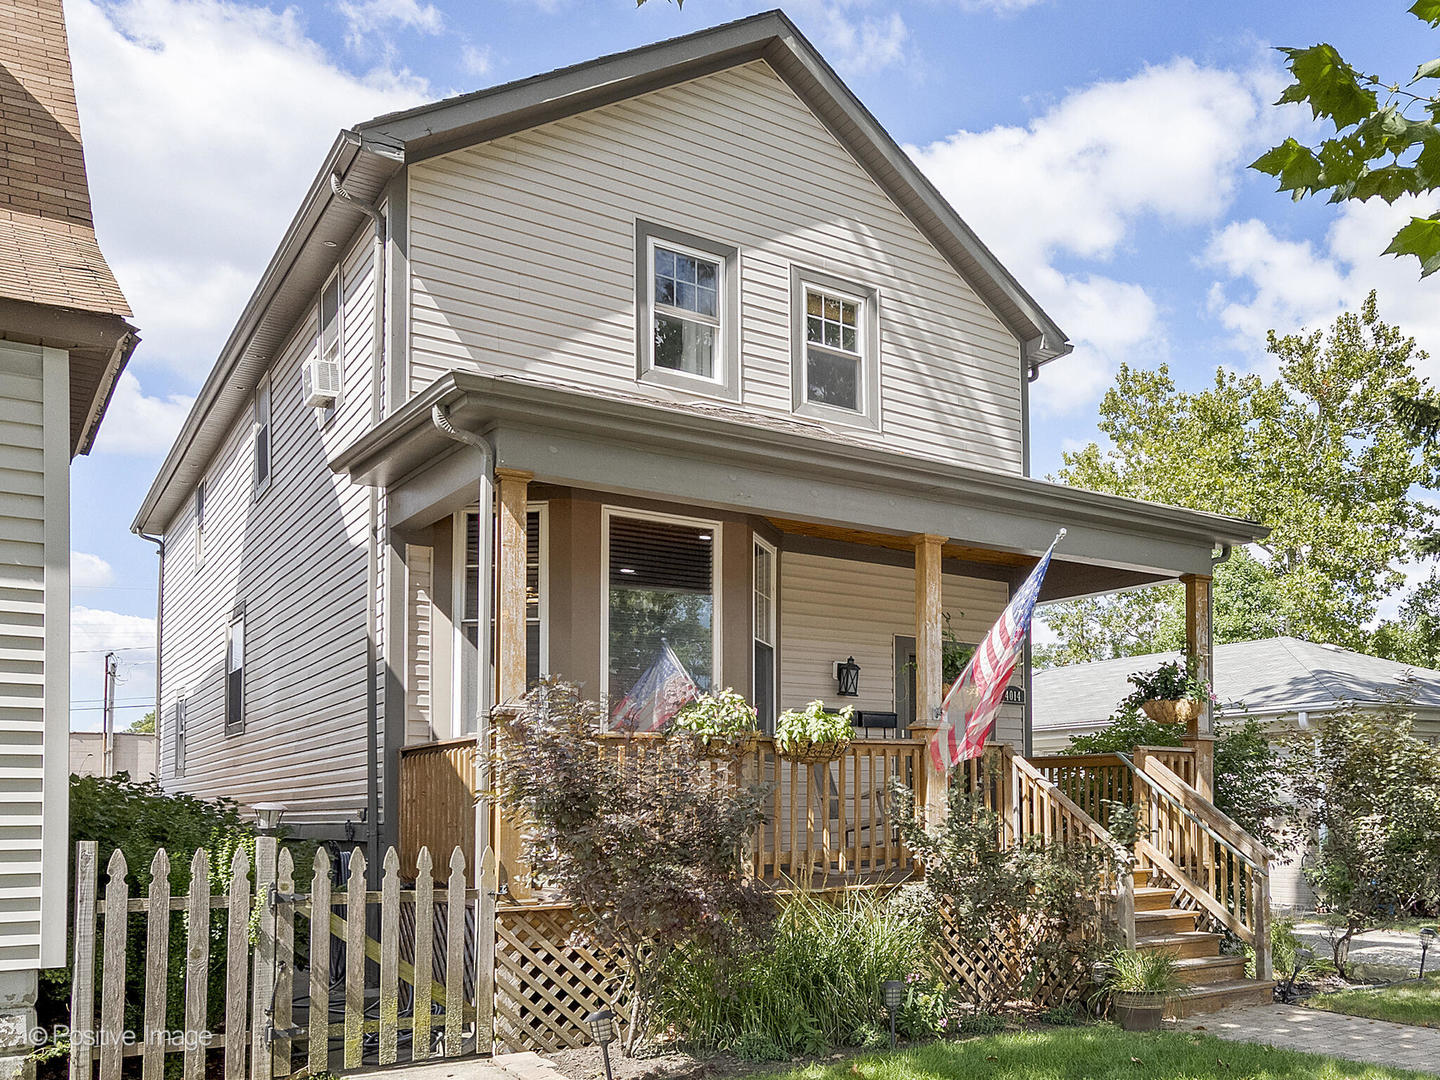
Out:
{"x": 813, "y": 753}
{"x": 1172, "y": 712}
{"x": 727, "y": 747}
{"x": 814, "y": 735}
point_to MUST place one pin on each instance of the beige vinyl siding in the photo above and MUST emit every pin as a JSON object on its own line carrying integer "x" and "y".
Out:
{"x": 831, "y": 609}
{"x": 419, "y": 654}
{"x": 34, "y": 643}
{"x": 522, "y": 256}
{"x": 297, "y": 559}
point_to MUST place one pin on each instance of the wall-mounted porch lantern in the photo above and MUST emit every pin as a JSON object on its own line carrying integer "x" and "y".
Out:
{"x": 847, "y": 678}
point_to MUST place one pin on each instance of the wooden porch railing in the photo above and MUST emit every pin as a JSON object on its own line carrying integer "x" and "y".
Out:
{"x": 1215, "y": 865}
{"x": 1094, "y": 782}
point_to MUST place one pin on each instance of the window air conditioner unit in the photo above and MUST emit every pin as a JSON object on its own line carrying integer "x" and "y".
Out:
{"x": 321, "y": 379}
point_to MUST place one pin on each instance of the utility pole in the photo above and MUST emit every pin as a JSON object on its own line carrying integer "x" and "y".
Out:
{"x": 107, "y": 724}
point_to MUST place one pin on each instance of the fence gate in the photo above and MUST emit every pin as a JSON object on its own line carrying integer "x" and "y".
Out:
{"x": 267, "y": 981}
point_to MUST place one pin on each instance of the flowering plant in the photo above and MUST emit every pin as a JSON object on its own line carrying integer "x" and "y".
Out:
{"x": 717, "y": 715}
{"x": 798, "y": 728}
{"x": 1175, "y": 680}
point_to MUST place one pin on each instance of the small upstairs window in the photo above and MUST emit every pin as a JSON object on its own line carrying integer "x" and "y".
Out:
{"x": 262, "y": 436}
{"x": 322, "y": 376}
{"x": 687, "y": 332}
{"x": 835, "y": 356}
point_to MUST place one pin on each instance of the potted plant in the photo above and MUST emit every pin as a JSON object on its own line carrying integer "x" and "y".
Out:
{"x": 724, "y": 724}
{"x": 814, "y": 734}
{"x": 1140, "y": 985}
{"x": 1172, "y": 693}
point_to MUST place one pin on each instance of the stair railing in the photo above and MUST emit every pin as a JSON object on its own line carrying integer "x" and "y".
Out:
{"x": 1042, "y": 810}
{"x": 1215, "y": 863}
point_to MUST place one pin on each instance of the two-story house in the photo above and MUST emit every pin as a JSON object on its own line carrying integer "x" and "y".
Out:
{"x": 675, "y": 345}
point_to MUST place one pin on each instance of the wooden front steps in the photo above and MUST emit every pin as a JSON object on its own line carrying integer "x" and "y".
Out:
{"x": 1212, "y": 981}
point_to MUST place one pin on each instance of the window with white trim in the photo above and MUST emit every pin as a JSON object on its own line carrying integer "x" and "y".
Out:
{"x": 262, "y": 436}
{"x": 661, "y": 574}
{"x": 688, "y": 308}
{"x": 763, "y": 695}
{"x": 835, "y": 355}
{"x": 235, "y": 674}
{"x": 200, "y": 524}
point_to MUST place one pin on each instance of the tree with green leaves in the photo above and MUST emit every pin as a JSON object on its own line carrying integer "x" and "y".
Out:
{"x": 1385, "y": 144}
{"x": 1315, "y": 453}
{"x": 145, "y": 725}
{"x": 1413, "y": 636}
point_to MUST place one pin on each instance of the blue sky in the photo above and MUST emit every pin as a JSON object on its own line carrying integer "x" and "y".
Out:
{"x": 1097, "y": 147}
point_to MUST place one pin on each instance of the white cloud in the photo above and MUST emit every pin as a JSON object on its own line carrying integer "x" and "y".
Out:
{"x": 136, "y": 424}
{"x": 997, "y": 7}
{"x": 370, "y": 17}
{"x": 93, "y": 633}
{"x": 1268, "y": 282}
{"x": 476, "y": 61}
{"x": 89, "y": 571}
{"x": 1079, "y": 179}
{"x": 856, "y": 41}
{"x": 204, "y": 121}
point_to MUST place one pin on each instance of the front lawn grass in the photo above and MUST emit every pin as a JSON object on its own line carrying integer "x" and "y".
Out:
{"x": 1411, "y": 1002}
{"x": 1093, "y": 1052}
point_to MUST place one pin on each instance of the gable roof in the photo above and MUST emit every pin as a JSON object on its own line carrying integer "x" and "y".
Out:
{"x": 1274, "y": 675}
{"x": 367, "y": 157}
{"x": 49, "y": 257}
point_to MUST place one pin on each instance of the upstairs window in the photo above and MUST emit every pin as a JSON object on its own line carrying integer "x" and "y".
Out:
{"x": 764, "y": 582}
{"x": 262, "y": 436}
{"x": 235, "y": 675}
{"x": 836, "y": 372}
{"x": 329, "y": 373}
{"x": 687, "y": 334}
{"x": 200, "y": 523}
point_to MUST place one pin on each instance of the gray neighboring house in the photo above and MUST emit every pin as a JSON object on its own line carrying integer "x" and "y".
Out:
{"x": 1283, "y": 682}
{"x": 64, "y": 338}
{"x": 677, "y": 329}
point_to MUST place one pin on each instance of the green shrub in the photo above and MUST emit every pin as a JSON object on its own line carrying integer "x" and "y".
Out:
{"x": 797, "y": 728}
{"x": 814, "y": 982}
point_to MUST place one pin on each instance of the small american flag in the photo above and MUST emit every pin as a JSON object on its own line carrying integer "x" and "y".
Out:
{"x": 664, "y": 689}
{"x": 970, "y": 705}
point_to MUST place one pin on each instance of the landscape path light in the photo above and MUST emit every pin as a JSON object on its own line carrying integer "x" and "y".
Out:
{"x": 894, "y": 991}
{"x": 602, "y": 1027}
{"x": 1427, "y": 938}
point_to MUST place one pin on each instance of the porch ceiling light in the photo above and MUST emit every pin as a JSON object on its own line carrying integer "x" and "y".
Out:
{"x": 267, "y": 817}
{"x": 847, "y": 678}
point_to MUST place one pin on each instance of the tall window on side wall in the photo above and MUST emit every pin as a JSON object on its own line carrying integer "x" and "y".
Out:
{"x": 835, "y": 356}
{"x": 200, "y": 523}
{"x": 262, "y": 436}
{"x": 660, "y": 575}
{"x": 764, "y": 689}
{"x": 687, "y": 334}
{"x": 537, "y": 585}
{"x": 235, "y": 675}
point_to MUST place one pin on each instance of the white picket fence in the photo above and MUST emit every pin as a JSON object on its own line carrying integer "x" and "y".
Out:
{"x": 268, "y": 1015}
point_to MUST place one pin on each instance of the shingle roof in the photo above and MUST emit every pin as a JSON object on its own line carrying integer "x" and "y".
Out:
{"x": 1282, "y": 674}
{"x": 48, "y": 251}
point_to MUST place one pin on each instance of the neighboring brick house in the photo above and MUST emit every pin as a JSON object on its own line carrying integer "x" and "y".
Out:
{"x": 64, "y": 338}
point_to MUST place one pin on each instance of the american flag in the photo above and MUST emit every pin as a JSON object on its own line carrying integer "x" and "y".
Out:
{"x": 970, "y": 705}
{"x": 664, "y": 689}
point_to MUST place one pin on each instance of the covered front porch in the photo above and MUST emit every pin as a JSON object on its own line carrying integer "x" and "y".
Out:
{"x": 537, "y": 530}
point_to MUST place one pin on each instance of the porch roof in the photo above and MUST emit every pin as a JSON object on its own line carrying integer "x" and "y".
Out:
{"x": 778, "y": 467}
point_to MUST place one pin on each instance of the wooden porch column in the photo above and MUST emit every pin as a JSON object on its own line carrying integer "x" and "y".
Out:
{"x": 1199, "y": 643}
{"x": 513, "y": 485}
{"x": 929, "y": 662}
{"x": 510, "y": 593}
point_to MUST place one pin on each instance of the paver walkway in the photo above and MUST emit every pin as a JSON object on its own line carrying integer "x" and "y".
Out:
{"x": 501, "y": 1067}
{"x": 1401, "y": 1046}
